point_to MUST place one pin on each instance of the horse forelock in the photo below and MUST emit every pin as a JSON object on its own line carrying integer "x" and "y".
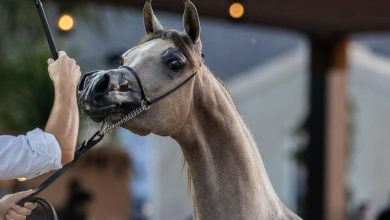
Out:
{"x": 182, "y": 41}
{"x": 191, "y": 50}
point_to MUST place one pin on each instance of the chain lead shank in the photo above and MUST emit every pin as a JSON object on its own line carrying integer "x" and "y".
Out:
{"x": 106, "y": 127}
{"x": 85, "y": 146}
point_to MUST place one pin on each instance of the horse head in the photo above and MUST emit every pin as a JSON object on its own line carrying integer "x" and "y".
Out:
{"x": 157, "y": 72}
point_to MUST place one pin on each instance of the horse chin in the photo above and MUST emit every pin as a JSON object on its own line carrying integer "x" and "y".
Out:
{"x": 115, "y": 117}
{"x": 136, "y": 126}
{"x": 141, "y": 133}
{"x": 111, "y": 113}
{"x": 136, "y": 131}
{"x": 98, "y": 116}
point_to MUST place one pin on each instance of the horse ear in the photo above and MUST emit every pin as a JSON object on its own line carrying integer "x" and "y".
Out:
{"x": 191, "y": 21}
{"x": 152, "y": 24}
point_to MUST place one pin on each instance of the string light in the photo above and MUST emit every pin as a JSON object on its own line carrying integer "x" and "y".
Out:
{"x": 236, "y": 10}
{"x": 66, "y": 22}
{"x": 21, "y": 179}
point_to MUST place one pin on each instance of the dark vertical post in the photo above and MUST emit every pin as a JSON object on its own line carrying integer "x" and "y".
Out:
{"x": 321, "y": 61}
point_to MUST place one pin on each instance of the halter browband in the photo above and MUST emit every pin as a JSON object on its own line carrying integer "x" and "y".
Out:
{"x": 154, "y": 100}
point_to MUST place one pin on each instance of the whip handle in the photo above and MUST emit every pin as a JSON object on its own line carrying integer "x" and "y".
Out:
{"x": 46, "y": 28}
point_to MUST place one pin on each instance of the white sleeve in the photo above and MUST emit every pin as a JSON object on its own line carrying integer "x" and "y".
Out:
{"x": 28, "y": 155}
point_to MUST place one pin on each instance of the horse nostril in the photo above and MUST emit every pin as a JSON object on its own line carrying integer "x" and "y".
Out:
{"x": 124, "y": 87}
{"x": 103, "y": 84}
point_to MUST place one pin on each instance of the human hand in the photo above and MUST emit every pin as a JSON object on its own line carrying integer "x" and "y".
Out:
{"x": 64, "y": 72}
{"x": 9, "y": 210}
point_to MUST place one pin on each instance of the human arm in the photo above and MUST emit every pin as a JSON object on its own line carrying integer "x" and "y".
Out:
{"x": 63, "y": 121}
{"x": 38, "y": 152}
{"x": 28, "y": 155}
{"x": 9, "y": 210}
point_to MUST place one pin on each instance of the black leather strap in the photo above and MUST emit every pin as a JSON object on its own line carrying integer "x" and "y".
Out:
{"x": 85, "y": 146}
{"x": 154, "y": 100}
{"x": 138, "y": 81}
{"x": 48, "y": 210}
{"x": 171, "y": 91}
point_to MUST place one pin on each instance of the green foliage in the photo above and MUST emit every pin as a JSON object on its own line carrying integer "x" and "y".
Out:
{"x": 26, "y": 93}
{"x": 25, "y": 87}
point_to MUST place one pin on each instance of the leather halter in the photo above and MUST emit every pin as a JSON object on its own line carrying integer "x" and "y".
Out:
{"x": 85, "y": 146}
{"x": 48, "y": 209}
{"x": 154, "y": 100}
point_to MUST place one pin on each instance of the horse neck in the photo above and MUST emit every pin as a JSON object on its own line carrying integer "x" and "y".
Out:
{"x": 226, "y": 171}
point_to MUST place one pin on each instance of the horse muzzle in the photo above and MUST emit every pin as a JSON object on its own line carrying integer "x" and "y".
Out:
{"x": 108, "y": 94}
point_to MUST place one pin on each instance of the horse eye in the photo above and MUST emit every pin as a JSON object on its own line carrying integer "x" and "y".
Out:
{"x": 175, "y": 65}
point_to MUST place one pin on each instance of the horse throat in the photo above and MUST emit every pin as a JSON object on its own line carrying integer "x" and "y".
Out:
{"x": 226, "y": 171}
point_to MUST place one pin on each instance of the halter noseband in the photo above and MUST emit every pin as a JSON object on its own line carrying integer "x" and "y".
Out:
{"x": 154, "y": 100}
{"x": 145, "y": 103}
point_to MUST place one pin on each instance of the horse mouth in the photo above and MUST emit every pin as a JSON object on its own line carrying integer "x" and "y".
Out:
{"x": 109, "y": 95}
{"x": 110, "y": 113}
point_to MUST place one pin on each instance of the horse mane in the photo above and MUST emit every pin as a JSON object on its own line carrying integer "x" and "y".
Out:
{"x": 193, "y": 52}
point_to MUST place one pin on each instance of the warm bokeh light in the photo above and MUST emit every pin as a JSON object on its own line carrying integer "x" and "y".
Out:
{"x": 21, "y": 179}
{"x": 236, "y": 10}
{"x": 65, "y": 22}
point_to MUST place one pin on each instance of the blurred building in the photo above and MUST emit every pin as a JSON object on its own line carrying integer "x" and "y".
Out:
{"x": 96, "y": 187}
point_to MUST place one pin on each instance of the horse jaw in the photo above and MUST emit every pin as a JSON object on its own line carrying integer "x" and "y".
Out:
{"x": 135, "y": 129}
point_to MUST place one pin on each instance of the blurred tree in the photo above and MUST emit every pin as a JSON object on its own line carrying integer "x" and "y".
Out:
{"x": 25, "y": 87}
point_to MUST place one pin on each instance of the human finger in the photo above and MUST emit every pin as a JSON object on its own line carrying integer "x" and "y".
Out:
{"x": 21, "y": 210}
{"x": 8, "y": 217}
{"x": 15, "y": 215}
{"x": 30, "y": 205}
{"x": 50, "y": 61}
{"x": 76, "y": 68}
{"x": 62, "y": 54}
{"x": 13, "y": 198}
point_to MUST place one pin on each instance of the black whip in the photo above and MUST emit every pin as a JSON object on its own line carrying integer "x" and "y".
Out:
{"x": 48, "y": 209}
{"x": 46, "y": 28}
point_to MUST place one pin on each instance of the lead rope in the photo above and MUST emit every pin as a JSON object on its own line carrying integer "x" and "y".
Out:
{"x": 105, "y": 127}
